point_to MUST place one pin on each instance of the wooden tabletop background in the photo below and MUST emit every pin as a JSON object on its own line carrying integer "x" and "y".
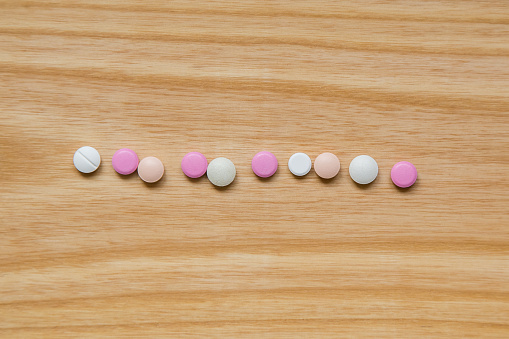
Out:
{"x": 105, "y": 255}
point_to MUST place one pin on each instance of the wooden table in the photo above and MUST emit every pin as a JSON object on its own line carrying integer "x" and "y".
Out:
{"x": 104, "y": 255}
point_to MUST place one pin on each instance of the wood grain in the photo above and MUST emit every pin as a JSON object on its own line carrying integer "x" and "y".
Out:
{"x": 108, "y": 256}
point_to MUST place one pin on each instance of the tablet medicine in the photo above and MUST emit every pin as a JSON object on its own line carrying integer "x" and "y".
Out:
{"x": 125, "y": 161}
{"x": 194, "y": 164}
{"x": 299, "y": 164}
{"x": 404, "y": 174}
{"x": 264, "y": 164}
{"x": 363, "y": 169}
{"x": 327, "y": 165}
{"x": 221, "y": 172}
{"x": 87, "y": 159}
{"x": 150, "y": 169}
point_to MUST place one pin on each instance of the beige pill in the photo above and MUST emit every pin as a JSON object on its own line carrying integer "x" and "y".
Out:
{"x": 150, "y": 169}
{"x": 327, "y": 165}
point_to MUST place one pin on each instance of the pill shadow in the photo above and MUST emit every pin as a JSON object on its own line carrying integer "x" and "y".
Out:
{"x": 93, "y": 174}
{"x": 332, "y": 180}
{"x": 367, "y": 187}
{"x": 127, "y": 176}
{"x": 225, "y": 188}
{"x": 196, "y": 180}
{"x": 307, "y": 176}
{"x": 408, "y": 189}
{"x": 156, "y": 184}
{"x": 269, "y": 179}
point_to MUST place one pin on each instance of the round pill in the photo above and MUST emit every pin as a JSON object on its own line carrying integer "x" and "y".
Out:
{"x": 86, "y": 159}
{"x": 363, "y": 169}
{"x": 404, "y": 174}
{"x": 327, "y": 165}
{"x": 264, "y": 164}
{"x": 221, "y": 172}
{"x": 125, "y": 161}
{"x": 150, "y": 169}
{"x": 194, "y": 164}
{"x": 299, "y": 164}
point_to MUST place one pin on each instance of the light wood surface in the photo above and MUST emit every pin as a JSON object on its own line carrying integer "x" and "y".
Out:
{"x": 108, "y": 256}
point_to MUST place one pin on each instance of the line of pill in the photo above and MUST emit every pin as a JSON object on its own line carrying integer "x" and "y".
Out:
{"x": 221, "y": 171}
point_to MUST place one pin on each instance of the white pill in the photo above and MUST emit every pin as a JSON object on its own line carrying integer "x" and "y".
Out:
{"x": 221, "y": 172}
{"x": 363, "y": 169}
{"x": 299, "y": 164}
{"x": 87, "y": 159}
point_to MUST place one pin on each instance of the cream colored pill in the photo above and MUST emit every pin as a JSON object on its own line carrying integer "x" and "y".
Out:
{"x": 221, "y": 172}
{"x": 150, "y": 169}
{"x": 327, "y": 165}
{"x": 86, "y": 159}
{"x": 363, "y": 169}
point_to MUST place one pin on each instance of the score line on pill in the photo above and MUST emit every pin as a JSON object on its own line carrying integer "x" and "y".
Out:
{"x": 87, "y": 159}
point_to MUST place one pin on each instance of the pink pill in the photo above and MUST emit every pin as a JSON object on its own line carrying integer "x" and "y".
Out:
{"x": 194, "y": 164}
{"x": 403, "y": 174}
{"x": 264, "y": 164}
{"x": 327, "y": 165}
{"x": 125, "y": 161}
